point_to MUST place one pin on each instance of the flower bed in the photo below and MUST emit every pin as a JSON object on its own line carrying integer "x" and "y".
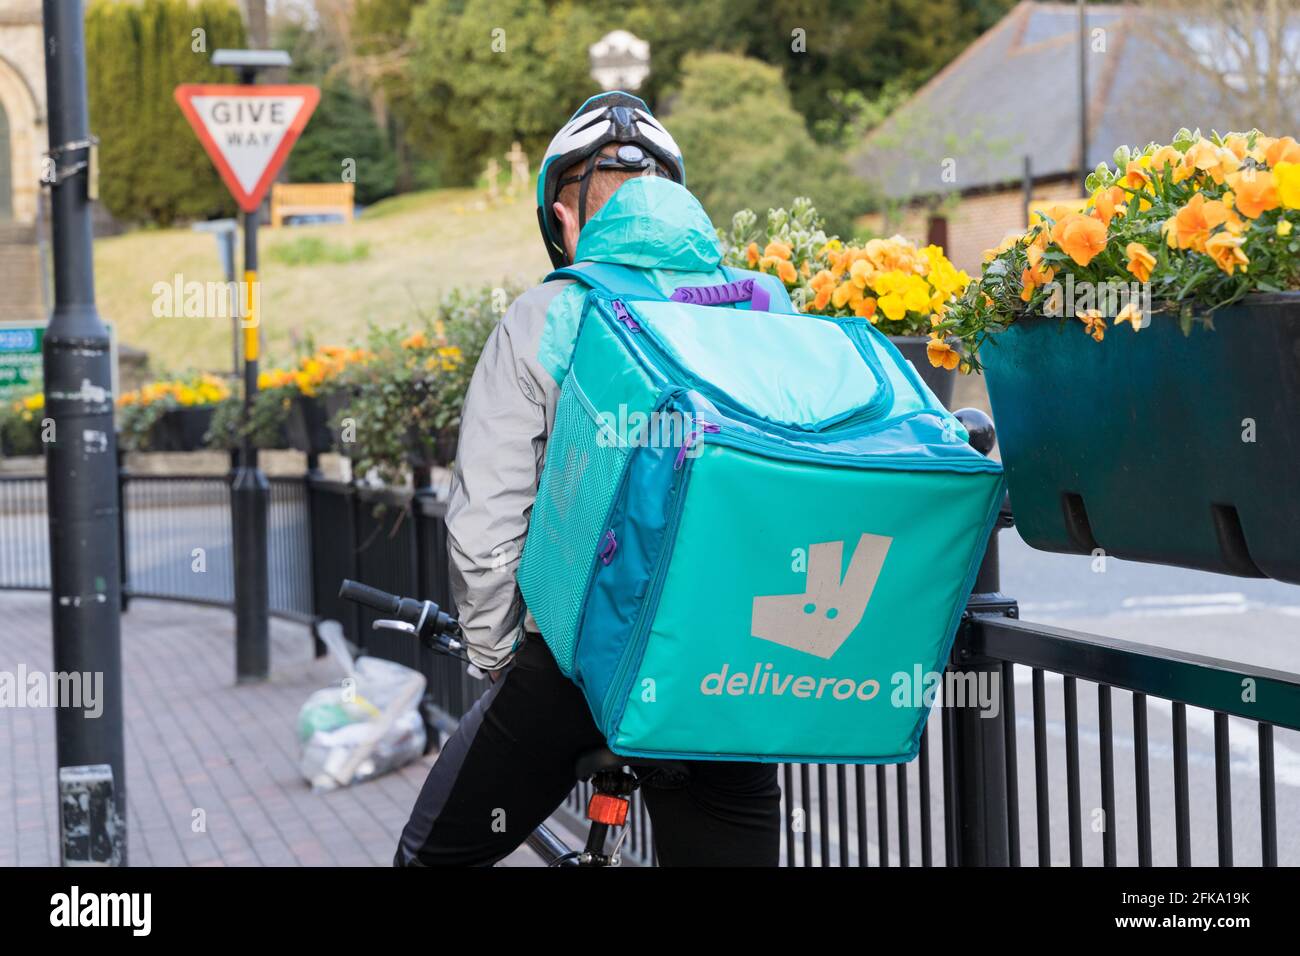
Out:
{"x": 903, "y": 289}
{"x": 289, "y": 408}
{"x": 400, "y": 408}
{"x": 171, "y": 415}
{"x": 1175, "y": 440}
{"x": 20, "y": 426}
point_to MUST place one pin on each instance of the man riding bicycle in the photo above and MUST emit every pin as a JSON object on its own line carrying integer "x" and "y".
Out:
{"x": 610, "y": 190}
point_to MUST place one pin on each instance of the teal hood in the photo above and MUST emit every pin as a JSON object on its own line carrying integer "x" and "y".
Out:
{"x": 653, "y": 223}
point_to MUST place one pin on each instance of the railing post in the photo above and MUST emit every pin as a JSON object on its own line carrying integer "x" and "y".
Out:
{"x": 979, "y": 762}
{"x": 312, "y": 475}
{"x": 979, "y": 738}
{"x": 125, "y": 574}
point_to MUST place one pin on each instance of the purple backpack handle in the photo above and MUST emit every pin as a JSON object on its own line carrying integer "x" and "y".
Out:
{"x": 742, "y": 290}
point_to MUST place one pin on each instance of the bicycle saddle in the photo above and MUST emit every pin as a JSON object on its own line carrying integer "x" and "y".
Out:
{"x": 593, "y": 761}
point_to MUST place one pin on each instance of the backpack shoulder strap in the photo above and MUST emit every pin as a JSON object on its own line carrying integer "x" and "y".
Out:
{"x": 611, "y": 279}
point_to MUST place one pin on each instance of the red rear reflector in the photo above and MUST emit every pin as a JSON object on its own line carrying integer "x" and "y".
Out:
{"x": 606, "y": 809}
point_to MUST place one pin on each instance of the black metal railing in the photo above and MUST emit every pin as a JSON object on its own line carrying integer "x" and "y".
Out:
{"x": 176, "y": 540}
{"x": 1207, "y": 691}
{"x": 24, "y": 534}
{"x": 1028, "y": 783}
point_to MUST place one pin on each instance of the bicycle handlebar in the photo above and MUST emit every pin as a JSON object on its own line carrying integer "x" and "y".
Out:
{"x": 425, "y": 619}
{"x": 370, "y": 597}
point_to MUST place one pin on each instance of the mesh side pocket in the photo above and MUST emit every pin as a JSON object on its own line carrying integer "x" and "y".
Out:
{"x": 568, "y": 522}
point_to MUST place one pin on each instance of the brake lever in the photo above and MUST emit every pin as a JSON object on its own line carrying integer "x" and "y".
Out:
{"x": 386, "y": 624}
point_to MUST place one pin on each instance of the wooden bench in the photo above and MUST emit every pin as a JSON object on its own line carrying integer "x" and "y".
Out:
{"x": 311, "y": 199}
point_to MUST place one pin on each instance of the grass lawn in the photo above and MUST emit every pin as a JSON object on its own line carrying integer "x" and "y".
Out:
{"x": 386, "y": 267}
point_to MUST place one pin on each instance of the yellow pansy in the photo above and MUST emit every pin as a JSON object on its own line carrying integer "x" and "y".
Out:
{"x": 1286, "y": 178}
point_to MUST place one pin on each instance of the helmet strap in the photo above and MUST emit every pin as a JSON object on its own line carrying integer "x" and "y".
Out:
{"x": 583, "y": 186}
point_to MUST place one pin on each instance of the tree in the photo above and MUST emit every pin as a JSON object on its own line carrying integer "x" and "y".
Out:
{"x": 1229, "y": 62}
{"x": 484, "y": 73}
{"x": 152, "y": 166}
{"x": 343, "y": 139}
{"x": 746, "y": 146}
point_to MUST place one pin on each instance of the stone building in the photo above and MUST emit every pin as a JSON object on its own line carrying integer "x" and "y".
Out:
{"x": 951, "y": 161}
{"x": 23, "y": 140}
{"x": 22, "y": 109}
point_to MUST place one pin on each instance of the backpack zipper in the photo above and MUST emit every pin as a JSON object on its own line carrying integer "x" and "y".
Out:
{"x": 623, "y": 315}
{"x": 616, "y": 698}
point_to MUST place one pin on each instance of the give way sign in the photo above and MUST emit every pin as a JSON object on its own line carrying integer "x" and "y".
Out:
{"x": 247, "y": 131}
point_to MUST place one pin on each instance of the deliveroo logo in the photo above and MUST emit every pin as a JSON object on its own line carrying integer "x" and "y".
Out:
{"x": 820, "y": 619}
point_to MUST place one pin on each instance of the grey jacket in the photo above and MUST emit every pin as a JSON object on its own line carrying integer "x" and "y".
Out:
{"x": 648, "y": 223}
{"x": 509, "y": 411}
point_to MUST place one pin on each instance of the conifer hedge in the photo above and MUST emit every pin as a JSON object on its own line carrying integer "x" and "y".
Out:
{"x": 152, "y": 167}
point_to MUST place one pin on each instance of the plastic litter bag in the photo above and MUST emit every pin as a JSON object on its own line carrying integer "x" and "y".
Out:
{"x": 367, "y": 725}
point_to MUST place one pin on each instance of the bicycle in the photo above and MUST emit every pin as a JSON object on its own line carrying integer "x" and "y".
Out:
{"x": 614, "y": 779}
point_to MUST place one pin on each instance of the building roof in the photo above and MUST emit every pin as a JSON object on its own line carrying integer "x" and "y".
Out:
{"x": 1014, "y": 91}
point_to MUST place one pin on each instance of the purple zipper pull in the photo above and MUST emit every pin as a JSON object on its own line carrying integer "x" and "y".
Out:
{"x": 624, "y": 316}
{"x": 707, "y": 428}
{"x": 611, "y": 545}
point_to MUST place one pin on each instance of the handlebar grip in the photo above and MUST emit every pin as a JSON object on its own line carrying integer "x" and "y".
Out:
{"x": 374, "y": 598}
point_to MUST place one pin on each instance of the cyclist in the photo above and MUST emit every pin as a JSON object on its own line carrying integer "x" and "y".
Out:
{"x": 511, "y": 760}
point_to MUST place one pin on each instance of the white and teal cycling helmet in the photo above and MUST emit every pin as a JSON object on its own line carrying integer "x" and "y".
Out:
{"x": 615, "y": 117}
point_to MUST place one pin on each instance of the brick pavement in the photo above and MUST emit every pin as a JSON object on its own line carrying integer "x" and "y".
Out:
{"x": 196, "y": 742}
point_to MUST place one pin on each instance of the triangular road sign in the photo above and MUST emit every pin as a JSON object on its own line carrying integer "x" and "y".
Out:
{"x": 247, "y": 131}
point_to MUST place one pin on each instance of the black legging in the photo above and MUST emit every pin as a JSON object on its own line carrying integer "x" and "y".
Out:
{"x": 511, "y": 762}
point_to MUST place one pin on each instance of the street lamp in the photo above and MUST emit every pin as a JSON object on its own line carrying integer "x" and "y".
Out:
{"x": 249, "y": 62}
{"x": 619, "y": 61}
{"x": 81, "y": 472}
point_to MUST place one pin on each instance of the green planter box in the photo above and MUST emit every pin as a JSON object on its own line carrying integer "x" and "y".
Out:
{"x": 307, "y": 426}
{"x": 1141, "y": 445}
{"x": 427, "y": 451}
{"x": 940, "y": 380}
{"x": 181, "y": 429}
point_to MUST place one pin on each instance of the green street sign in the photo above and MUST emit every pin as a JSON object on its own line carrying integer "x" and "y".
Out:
{"x": 20, "y": 359}
{"x": 21, "y": 367}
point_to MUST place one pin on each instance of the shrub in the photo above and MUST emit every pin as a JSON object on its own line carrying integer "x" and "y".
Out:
{"x": 343, "y": 128}
{"x": 746, "y": 146}
{"x": 152, "y": 166}
{"x": 899, "y": 288}
{"x": 404, "y": 403}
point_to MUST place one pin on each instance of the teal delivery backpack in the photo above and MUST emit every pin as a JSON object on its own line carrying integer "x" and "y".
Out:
{"x": 756, "y": 529}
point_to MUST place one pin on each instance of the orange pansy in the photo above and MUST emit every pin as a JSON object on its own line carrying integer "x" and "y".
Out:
{"x": 1080, "y": 237}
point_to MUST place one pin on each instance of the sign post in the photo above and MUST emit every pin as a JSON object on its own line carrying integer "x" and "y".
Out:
{"x": 248, "y": 131}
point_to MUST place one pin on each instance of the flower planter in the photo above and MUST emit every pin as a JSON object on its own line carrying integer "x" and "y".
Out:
{"x": 307, "y": 426}
{"x": 941, "y": 381}
{"x": 181, "y": 429}
{"x": 1154, "y": 446}
{"x": 20, "y": 441}
{"x": 334, "y": 403}
{"x": 426, "y": 451}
